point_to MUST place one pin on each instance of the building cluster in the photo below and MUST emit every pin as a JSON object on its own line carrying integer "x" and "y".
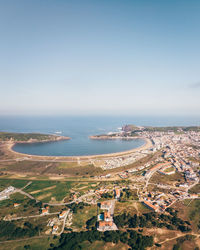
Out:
{"x": 116, "y": 162}
{"x": 5, "y": 194}
{"x": 180, "y": 141}
{"x": 178, "y": 150}
{"x": 56, "y": 222}
{"x": 158, "y": 201}
{"x": 105, "y": 218}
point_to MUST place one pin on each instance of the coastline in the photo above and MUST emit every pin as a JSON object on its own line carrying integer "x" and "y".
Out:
{"x": 9, "y": 147}
{"x": 107, "y": 137}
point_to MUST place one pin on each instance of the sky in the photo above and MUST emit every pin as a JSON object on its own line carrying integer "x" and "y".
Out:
{"x": 100, "y": 57}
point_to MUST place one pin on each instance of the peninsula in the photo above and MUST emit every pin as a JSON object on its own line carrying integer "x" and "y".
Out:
{"x": 30, "y": 137}
{"x": 131, "y": 132}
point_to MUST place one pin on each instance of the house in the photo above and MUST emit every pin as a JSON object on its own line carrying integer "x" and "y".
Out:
{"x": 16, "y": 204}
{"x": 105, "y": 205}
{"x": 45, "y": 211}
{"x": 107, "y": 216}
{"x": 55, "y": 228}
{"x": 194, "y": 196}
{"x": 105, "y": 225}
{"x": 149, "y": 205}
{"x": 62, "y": 214}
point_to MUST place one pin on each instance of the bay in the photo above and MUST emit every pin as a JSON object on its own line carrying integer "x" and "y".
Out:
{"x": 79, "y": 128}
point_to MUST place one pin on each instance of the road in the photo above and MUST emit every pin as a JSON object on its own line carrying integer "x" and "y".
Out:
{"x": 29, "y": 183}
{"x": 149, "y": 177}
{"x": 28, "y": 195}
{"x": 112, "y": 207}
{"x": 64, "y": 221}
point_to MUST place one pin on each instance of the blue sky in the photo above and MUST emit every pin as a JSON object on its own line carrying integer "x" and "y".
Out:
{"x": 100, "y": 57}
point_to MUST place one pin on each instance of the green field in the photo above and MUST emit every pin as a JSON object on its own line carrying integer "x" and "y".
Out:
{"x": 35, "y": 243}
{"x": 47, "y": 189}
{"x": 80, "y": 218}
{"x": 4, "y": 183}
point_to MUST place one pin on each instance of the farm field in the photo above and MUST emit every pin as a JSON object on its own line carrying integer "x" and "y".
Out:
{"x": 47, "y": 190}
{"x": 4, "y": 183}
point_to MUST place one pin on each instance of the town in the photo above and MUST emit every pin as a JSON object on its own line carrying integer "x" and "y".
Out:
{"x": 155, "y": 179}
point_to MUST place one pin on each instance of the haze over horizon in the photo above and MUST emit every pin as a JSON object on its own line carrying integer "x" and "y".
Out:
{"x": 100, "y": 57}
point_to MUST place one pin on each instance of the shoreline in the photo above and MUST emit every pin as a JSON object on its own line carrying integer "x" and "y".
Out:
{"x": 8, "y": 146}
{"x": 107, "y": 137}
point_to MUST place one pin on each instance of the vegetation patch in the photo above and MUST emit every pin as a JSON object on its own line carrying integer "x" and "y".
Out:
{"x": 150, "y": 220}
{"x": 132, "y": 238}
{"x": 6, "y": 136}
{"x": 82, "y": 215}
{"x": 8, "y": 230}
{"x": 4, "y": 183}
{"x": 185, "y": 239}
{"x": 128, "y": 194}
{"x": 194, "y": 211}
{"x": 167, "y": 179}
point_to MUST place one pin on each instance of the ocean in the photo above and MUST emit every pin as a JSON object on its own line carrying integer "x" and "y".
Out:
{"x": 79, "y": 128}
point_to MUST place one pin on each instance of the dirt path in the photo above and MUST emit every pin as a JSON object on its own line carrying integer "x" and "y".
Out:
{"x": 178, "y": 236}
{"x": 135, "y": 205}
